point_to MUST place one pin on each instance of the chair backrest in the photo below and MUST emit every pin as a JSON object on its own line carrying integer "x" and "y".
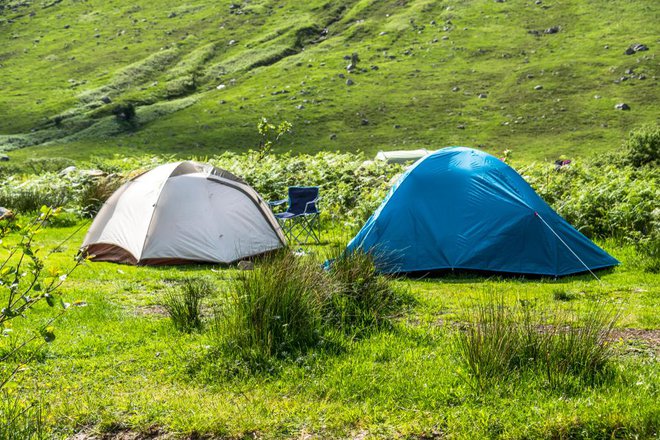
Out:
{"x": 299, "y": 196}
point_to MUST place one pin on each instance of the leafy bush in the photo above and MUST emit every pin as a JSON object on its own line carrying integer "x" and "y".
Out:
{"x": 184, "y": 303}
{"x": 643, "y": 146}
{"x": 361, "y": 298}
{"x": 273, "y": 311}
{"x": 502, "y": 342}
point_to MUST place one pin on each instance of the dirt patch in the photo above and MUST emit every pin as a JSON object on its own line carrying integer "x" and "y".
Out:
{"x": 151, "y": 434}
{"x": 638, "y": 341}
{"x": 154, "y": 309}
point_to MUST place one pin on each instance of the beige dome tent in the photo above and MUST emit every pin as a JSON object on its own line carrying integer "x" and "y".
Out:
{"x": 183, "y": 212}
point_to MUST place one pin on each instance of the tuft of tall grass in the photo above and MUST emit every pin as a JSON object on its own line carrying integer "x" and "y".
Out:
{"x": 273, "y": 311}
{"x": 361, "y": 299}
{"x": 184, "y": 303}
{"x": 506, "y": 341}
{"x": 21, "y": 420}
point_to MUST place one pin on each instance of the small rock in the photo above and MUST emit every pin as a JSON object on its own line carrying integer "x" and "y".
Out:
{"x": 597, "y": 96}
{"x": 245, "y": 265}
{"x": 383, "y": 33}
{"x": 4, "y": 158}
{"x": 623, "y": 78}
{"x": 67, "y": 170}
{"x": 232, "y": 42}
{"x": 461, "y": 127}
{"x": 435, "y": 40}
{"x": 455, "y": 89}
{"x": 222, "y": 101}
{"x": 641, "y": 76}
{"x": 106, "y": 100}
{"x": 607, "y": 46}
{"x": 432, "y": 22}
{"x": 499, "y": 1}
{"x": 629, "y": 71}
{"x": 539, "y": 87}
{"x": 374, "y": 67}
{"x": 552, "y": 30}
{"x": 364, "y": 122}
{"x": 538, "y": 2}
{"x": 171, "y": 15}
{"x": 221, "y": 86}
{"x": 97, "y": 35}
{"x": 622, "y": 106}
{"x": 333, "y": 136}
{"x": 347, "y": 57}
{"x": 300, "y": 107}
{"x": 482, "y": 96}
{"x": 349, "y": 82}
{"x": 341, "y": 75}
{"x": 444, "y": 37}
{"x": 67, "y": 26}
{"x": 637, "y": 47}
{"x": 397, "y": 126}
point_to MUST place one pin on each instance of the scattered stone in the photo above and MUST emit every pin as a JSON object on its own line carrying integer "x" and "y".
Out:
{"x": 435, "y": 40}
{"x": 106, "y": 100}
{"x": 349, "y": 82}
{"x": 637, "y": 47}
{"x": 539, "y": 87}
{"x": 538, "y": 2}
{"x": 374, "y": 67}
{"x": 499, "y": 1}
{"x": 67, "y": 170}
{"x": 67, "y": 26}
{"x": 482, "y": 96}
{"x": 622, "y": 106}
{"x": 552, "y": 30}
{"x": 347, "y": 57}
{"x": 455, "y": 89}
{"x": 629, "y": 71}
{"x": 444, "y": 37}
{"x": 4, "y": 158}
{"x": 300, "y": 107}
{"x": 461, "y": 127}
{"x": 222, "y": 101}
{"x": 97, "y": 35}
{"x": 221, "y": 86}
{"x": 5, "y": 213}
{"x": 172, "y": 15}
{"x": 597, "y": 96}
{"x": 245, "y": 265}
{"x": 432, "y": 22}
{"x": 341, "y": 76}
{"x": 397, "y": 126}
{"x": 333, "y": 136}
{"x": 623, "y": 78}
{"x": 641, "y": 76}
{"x": 232, "y": 42}
{"x": 607, "y": 46}
{"x": 383, "y": 33}
{"x": 364, "y": 122}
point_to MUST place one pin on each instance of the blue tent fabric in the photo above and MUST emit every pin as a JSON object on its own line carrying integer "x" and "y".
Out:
{"x": 460, "y": 208}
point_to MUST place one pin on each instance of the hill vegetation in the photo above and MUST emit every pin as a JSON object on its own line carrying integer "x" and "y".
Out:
{"x": 83, "y": 78}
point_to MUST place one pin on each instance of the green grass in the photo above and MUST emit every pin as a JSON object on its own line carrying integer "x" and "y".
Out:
{"x": 168, "y": 59}
{"x": 117, "y": 363}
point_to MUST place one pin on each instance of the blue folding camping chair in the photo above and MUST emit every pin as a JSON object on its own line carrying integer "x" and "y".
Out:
{"x": 301, "y": 221}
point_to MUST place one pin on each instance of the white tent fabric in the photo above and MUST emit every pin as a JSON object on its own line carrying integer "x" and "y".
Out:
{"x": 401, "y": 156}
{"x": 183, "y": 212}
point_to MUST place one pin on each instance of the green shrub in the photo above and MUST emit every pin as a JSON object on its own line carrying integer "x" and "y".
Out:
{"x": 95, "y": 191}
{"x": 503, "y": 342}
{"x": 184, "y": 303}
{"x": 643, "y": 146}
{"x": 273, "y": 311}
{"x": 361, "y": 299}
{"x": 563, "y": 295}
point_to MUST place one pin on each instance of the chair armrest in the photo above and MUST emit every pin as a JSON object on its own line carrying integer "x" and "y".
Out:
{"x": 277, "y": 202}
{"x": 310, "y": 203}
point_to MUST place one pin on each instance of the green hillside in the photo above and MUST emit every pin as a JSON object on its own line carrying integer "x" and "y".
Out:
{"x": 541, "y": 78}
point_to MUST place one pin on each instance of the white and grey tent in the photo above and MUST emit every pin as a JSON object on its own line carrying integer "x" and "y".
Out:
{"x": 183, "y": 212}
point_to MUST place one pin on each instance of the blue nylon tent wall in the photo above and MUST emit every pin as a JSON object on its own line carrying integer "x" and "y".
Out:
{"x": 460, "y": 208}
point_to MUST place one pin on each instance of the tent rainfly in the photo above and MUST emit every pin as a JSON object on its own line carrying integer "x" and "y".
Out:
{"x": 460, "y": 208}
{"x": 183, "y": 212}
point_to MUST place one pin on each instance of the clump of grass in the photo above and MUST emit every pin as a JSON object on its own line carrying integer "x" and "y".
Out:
{"x": 563, "y": 295}
{"x": 273, "y": 311}
{"x": 361, "y": 298}
{"x": 505, "y": 342}
{"x": 184, "y": 303}
{"x": 21, "y": 420}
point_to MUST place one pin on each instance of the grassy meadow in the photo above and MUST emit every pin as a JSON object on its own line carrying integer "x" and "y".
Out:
{"x": 430, "y": 73}
{"x": 118, "y": 364}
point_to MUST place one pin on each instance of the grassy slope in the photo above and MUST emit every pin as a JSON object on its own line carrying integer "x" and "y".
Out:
{"x": 48, "y": 70}
{"x": 117, "y": 365}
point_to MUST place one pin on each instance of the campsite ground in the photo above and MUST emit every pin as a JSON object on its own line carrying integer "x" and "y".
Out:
{"x": 118, "y": 364}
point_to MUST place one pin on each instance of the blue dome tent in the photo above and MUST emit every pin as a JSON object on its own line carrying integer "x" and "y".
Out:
{"x": 460, "y": 208}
